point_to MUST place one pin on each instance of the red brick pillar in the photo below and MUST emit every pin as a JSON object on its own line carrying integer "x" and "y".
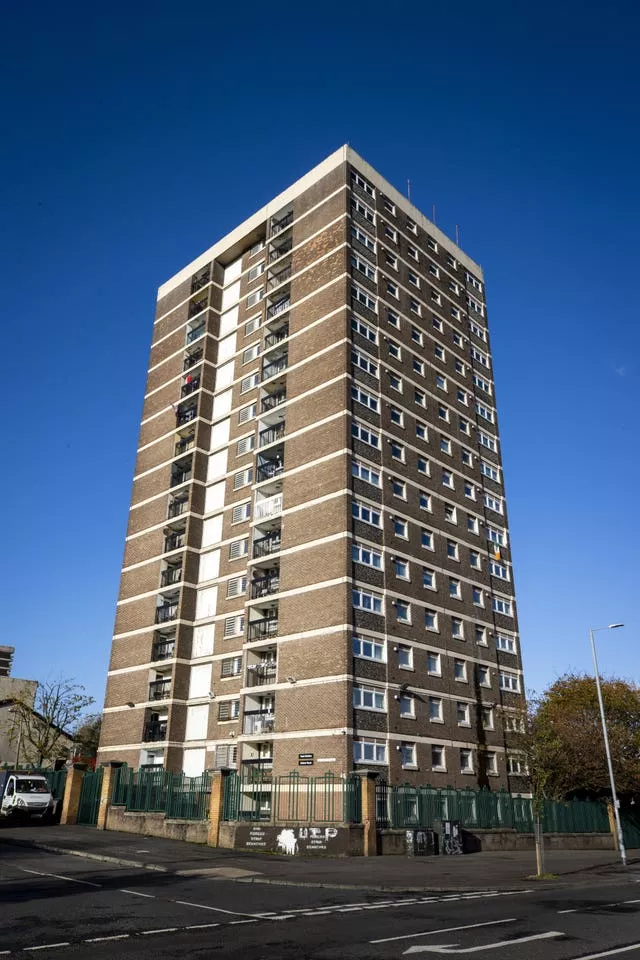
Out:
{"x": 72, "y": 790}
{"x": 108, "y": 777}
{"x": 368, "y": 794}
{"x": 216, "y": 805}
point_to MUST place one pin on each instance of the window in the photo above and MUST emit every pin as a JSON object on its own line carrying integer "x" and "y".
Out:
{"x": 243, "y": 478}
{"x": 362, "y": 297}
{"x": 416, "y": 335}
{"x": 452, "y": 262}
{"x": 367, "y": 474}
{"x": 390, "y": 233}
{"x": 366, "y": 600}
{"x": 482, "y": 383}
{"x": 443, "y": 413}
{"x": 234, "y": 626}
{"x": 420, "y": 398}
{"x": 426, "y": 539}
{"x": 417, "y": 366}
{"x": 484, "y": 412}
{"x": 229, "y": 710}
{"x": 484, "y": 676}
{"x": 400, "y": 528}
{"x": 460, "y": 670}
{"x": 493, "y": 503}
{"x": 367, "y": 399}
{"x": 399, "y": 488}
{"x": 505, "y": 607}
{"x": 366, "y": 556}
{"x": 395, "y": 350}
{"x": 249, "y": 383}
{"x": 437, "y": 323}
{"x": 463, "y": 716}
{"x": 477, "y": 331}
{"x": 466, "y": 761}
{"x": 393, "y": 318}
{"x": 364, "y": 362}
{"x": 486, "y": 715}
{"x": 247, "y": 413}
{"x": 256, "y": 248}
{"x": 464, "y": 426}
{"x": 435, "y": 710}
{"x": 457, "y": 338}
{"x": 488, "y": 470}
{"x": 433, "y": 270}
{"x": 475, "y": 305}
{"x": 466, "y": 456}
{"x": 363, "y": 266}
{"x": 424, "y": 500}
{"x": 368, "y": 649}
{"x": 462, "y": 396}
{"x": 230, "y": 667}
{"x": 250, "y": 353}
{"x": 477, "y": 596}
{"x": 254, "y": 297}
{"x": 509, "y": 681}
{"x": 445, "y": 445}
{"x": 460, "y": 367}
{"x": 428, "y": 578}
{"x": 395, "y": 382}
{"x": 358, "y": 234}
{"x": 498, "y": 570}
{"x": 455, "y": 590}
{"x": 474, "y": 560}
{"x": 236, "y": 587}
{"x": 496, "y": 536}
{"x": 441, "y": 382}
{"x": 438, "y": 758}
{"x": 238, "y": 548}
{"x": 407, "y": 705}
{"x": 362, "y": 183}
{"x": 514, "y": 724}
{"x": 452, "y": 550}
{"x": 369, "y": 751}
{"x": 434, "y": 667}
{"x": 450, "y": 513}
{"x": 241, "y": 512}
{"x": 403, "y": 611}
{"x": 397, "y": 451}
{"x": 357, "y": 206}
{"x": 457, "y": 628}
{"x": 435, "y": 296}
{"x": 408, "y": 754}
{"x": 431, "y": 620}
{"x": 479, "y": 356}
{"x": 401, "y": 569}
{"x": 473, "y": 282}
{"x": 255, "y": 271}
{"x": 364, "y": 329}
{"x": 517, "y": 767}
{"x": 361, "y": 511}
{"x": 245, "y": 445}
{"x": 412, "y": 226}
{"x": 393, "y": 289}
{"x": 413, "y": 278}
{"x": 469, "y": 490}
{"x": 481, "y": 635}
{"x": 432, "y": 245}
{"x": 396, "y": 416}
{"x": 361, "y": 432}
{"x": 367, "y": 698}
{"x": 412, "y": 252}
{"x": 455, "y": 313}
{"x": 491, "y": 762}
{"x": 506, "y": 644}
{"x": 405, "y": 656}
{"x": 389, "y": 206}
{"x": 421, "y": 431}
{"x": 472, "y": 523}
{"x": 439, "y": 352}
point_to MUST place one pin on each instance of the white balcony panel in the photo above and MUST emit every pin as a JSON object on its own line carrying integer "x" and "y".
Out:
{"x": 222, "y": 404}
{"x": 230, "y": 294}
{"x": 206, "y": 601}
{"x": 212, "y": 531}
{"x": 217, "y": 465}
{"x": 209, "y": 566}
{"x": 200, "y": 681}
{"x": 220, "y": 433}
{"x": 214, "y": 497}
{"x": 202, "y": 644}
{"x": 224, "y": 375}
{"x": 268, "y": 507}
{"x": 232, "y": 272}
{"x": 193, "y": 761}
{"x": 228, "y": 321}
{"x": 226, "y": 348}
{"x": 197, "y": 719}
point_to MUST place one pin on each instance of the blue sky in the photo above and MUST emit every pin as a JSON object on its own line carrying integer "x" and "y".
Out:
{"x": 138, "y": 134}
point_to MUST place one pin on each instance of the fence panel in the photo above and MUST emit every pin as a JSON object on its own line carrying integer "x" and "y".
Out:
{"x": 188, "y": 797}
{"x": 90, "y": 797}
{"x": 148, "y": 791}
{"x": 292, "y": 798}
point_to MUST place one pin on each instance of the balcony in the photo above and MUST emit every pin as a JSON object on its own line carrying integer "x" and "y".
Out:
{"x": 187, "y": 443}
{"x": 267, "y": 545}
{"x": 174, "y": 541}
{"x": 160, "y": 689}
{"x": 258, "y": 721}
{"x": 270, "y": 507}
{"x": 272, "y": 401}
{"x": 258, "y": 761}
{"x": 272, "y": 339}
{"x": 269, "y": 469}
{"x": 264, "y": 586}
{"x": 277, "y": 278}
{"x": 192, "y": 359}
{"x": 163, "y": 649}
{"x": 200, "y": 280}
{"x": 190, "y": 386}
{"x": 170, "y": 575}
{"x": 197, "y": 306}
{"x": 277, "y": 226}
{"x": 281, "y": 251}
{"x": 270, "y": 369}
{"x": 176, "y": 507}
{"x": 180, "y": 477}
{"x": 261, "y": 629}
{"x": 155, "y": 730}
{"x": 280, "y": 306}
{"x": 186, "y": 415}
{"x": 196, "y": 332}
{"x": 271, "y": 435}
{"x": 166, "y": 613}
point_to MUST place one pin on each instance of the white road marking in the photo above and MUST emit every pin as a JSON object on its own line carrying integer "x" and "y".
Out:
{"x": 611, "y": 953}
{"x": 431, "y": 933}
{"x": 575, "y": 910}
{"x": 48, "y": 946}
{"x": 347, "y": 909}
{"x": 57, "y": 876}
{"x": 146, "y": 933}
{"x": 202, "y": 926}
{"x": 632, "y": 901}
{"x": 135, "y": 893}
{"x": 233, "y": 923}
{"x": 117, "y": 936}
{"x": 205, "y": 906}
{"x": 282, "y": 916}
{"x": 451, "y": 948}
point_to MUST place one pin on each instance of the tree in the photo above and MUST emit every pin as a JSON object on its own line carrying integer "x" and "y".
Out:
{"x": 87, "y": 735}
{"x": 42, "y": 727}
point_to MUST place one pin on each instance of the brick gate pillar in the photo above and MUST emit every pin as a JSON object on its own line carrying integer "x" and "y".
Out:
{"x": 106, "y": 791}
{"x": 368, "y": 794}
{"x": 72, "y": 791}
{"x": 216, "y": 805}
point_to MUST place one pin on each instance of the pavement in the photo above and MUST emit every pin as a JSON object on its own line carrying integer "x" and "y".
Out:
{"x": 499, "y": 871}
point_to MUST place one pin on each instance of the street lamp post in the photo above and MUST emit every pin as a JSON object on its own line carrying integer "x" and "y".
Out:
{"x": 614, "y": 795}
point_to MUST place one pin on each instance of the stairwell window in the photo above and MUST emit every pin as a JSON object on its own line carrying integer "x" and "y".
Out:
{"x": 357, "y": 206}
{"x": 369, "y": 751}
{"x": 368, "y": 649}
{"x": 365, "y": 473}
{"x": 364, "y": 329}
{"x": 368, "y": 698}
{"x": 366, "y": 399}
{"x": 367, "y": 600}
{"x": 509, "y": 681}
{"x": 364, "y": 433}
{"x": 366, "y": 555}
{"x": 358, "y": 234}
{"x": 365, "y": 513}
{"x": 362, "y": 297}
{"x": 363, "y": 266}
{"x": 359, "y": 181}
{"x": 505, "y": 607}
{"x": 364, "y": 362}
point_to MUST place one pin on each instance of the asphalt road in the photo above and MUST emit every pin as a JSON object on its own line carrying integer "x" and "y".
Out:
{"x": 67, "y": 908}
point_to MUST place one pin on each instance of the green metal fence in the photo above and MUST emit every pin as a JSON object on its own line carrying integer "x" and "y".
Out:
{"x": 291, "y": 798}
{"x": 90, "y": 797}
{"x": 407, "y": 806}
{"x": 159, "y": 791}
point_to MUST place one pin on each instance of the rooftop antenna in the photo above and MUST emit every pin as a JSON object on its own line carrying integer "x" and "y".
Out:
{"x": 433, "y": 213}
{"x": 457, "y": 236}
{"x": 408, "y": 190}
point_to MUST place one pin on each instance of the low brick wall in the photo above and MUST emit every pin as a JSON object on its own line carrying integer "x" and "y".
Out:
{"x": 394, "y": 842}
{"x": 157, "y": 825}
{"x": 296, "y": 839}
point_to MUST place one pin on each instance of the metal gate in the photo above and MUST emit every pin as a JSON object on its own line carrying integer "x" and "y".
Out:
{"x": 90, "y": 797}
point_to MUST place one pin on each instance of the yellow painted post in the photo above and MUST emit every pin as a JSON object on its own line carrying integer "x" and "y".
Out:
{"x": 612, "y": 824}
{"x": 368, "y": 788}
{"x": 216, "y": 803}
{"x": 108, "y": 776}
{"x": 72, "y": 791}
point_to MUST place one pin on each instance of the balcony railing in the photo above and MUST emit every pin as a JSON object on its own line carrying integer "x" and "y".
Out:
{"x": 269, "y": 507}
{"x": 163, "y": 649}
{"x": 263, "y": 761}
{"x": 269, "y": 470}
{"x": 196, "y": 332}
{"x": 280, "y": 251}
{"x": 279, "y": 307}
{"x": 264, "y": 587}
{"x": 273, "y": 338}
{"x": 258, "y": 721}
{"x": 270, "y": 369}
{"x": 197, "y": 306}
{"x": 155, "y": 730}
{"x": 186, "y": 416}
{"x": 279, "y": 277}
{"x": 167, "y": 613}
{"x": 170, "y": 575}
{"x": 265, "y": 546}
{"x": 272, "y": 401}
{"x": 259, "y": 629}
{"x": 176, "y": 507}
{"x": 187, "y": 443}
{"x": 182, "y": 477}
{"x": 199, "y": 281}
{"x": 174, "y": 542}
{"x": 271, "y": 434}
{"x": 190, "y": 387}
{"x": 277, "y": 226}
{"x": 159, "y": 689}
{"x": 192, "y": 359}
